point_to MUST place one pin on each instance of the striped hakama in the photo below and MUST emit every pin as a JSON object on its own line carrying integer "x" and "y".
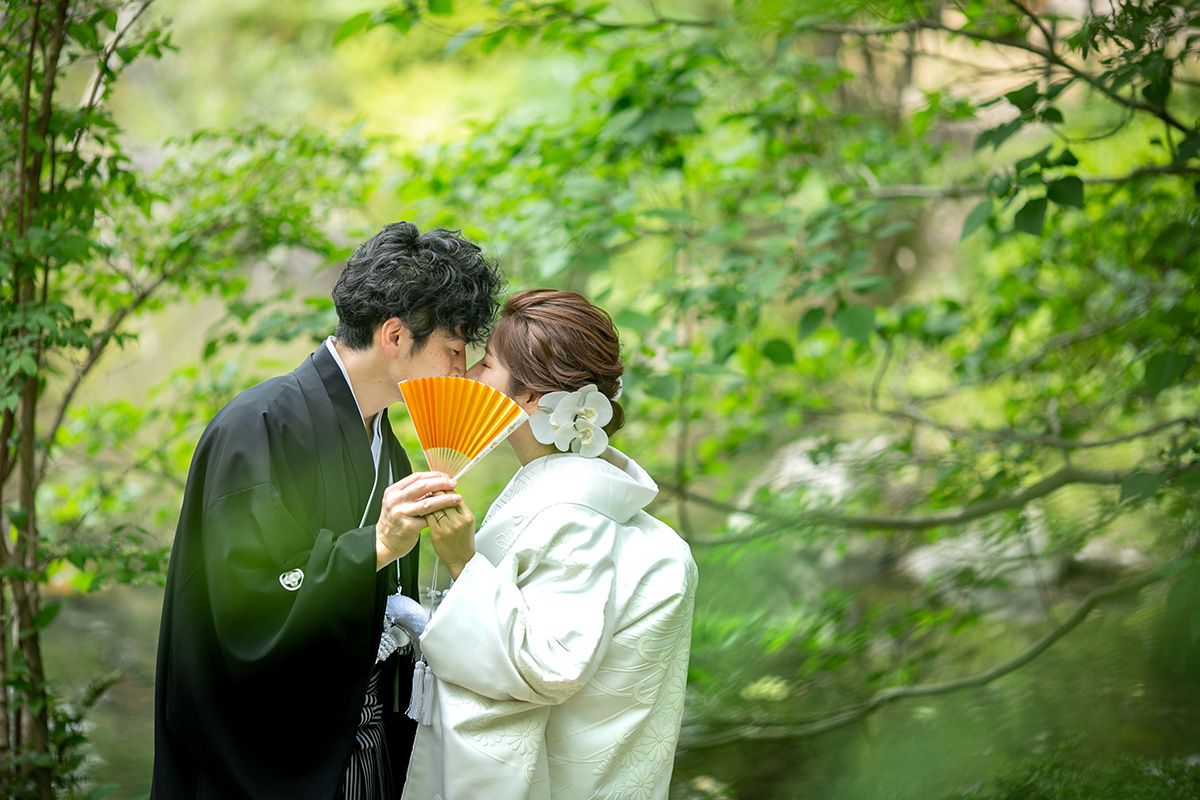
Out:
{"x": 368, "y": 772}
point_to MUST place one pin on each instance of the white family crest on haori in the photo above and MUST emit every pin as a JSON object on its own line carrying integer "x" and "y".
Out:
{"x": 561, "y": 650}
{"x": 573, "y": 420}
{"x": 292, "y": 579}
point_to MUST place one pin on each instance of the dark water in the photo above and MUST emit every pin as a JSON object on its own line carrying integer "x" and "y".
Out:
{"x": 1106, "y": 685}
{"x": 1108, "y": 688}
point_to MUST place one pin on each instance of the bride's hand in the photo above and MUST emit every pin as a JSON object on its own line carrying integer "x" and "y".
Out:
{"x": 452, "y": 533}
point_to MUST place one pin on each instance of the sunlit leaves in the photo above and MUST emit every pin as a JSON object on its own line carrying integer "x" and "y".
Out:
{"x": 352, "y": 26}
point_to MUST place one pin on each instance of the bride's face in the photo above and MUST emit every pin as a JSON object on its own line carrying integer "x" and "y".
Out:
{"x": 491, "y": 370}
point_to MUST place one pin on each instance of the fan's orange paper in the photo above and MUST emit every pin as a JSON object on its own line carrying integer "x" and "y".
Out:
{"x": 459, "y": 420}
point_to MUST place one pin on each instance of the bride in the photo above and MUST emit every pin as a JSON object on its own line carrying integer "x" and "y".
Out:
{"x": 560, "y": 651}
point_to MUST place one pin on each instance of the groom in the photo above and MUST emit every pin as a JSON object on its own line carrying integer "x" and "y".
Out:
{"x": 299, "y": 519}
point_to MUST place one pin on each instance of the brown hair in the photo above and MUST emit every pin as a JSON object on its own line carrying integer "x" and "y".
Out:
{"x": 552, "y": 341}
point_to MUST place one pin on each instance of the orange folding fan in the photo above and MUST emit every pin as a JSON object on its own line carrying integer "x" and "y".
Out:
{"x": 459, "y": 420}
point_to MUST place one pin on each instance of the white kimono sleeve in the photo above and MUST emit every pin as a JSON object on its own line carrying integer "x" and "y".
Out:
{"x": 536, "y": 626}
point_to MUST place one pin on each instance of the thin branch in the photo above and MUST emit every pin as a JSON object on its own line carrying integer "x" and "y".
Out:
{"x": 105, "y": 490}
{"x": 98, "y": 79}
{"x": 578, "y": 18}
{"x": 1066, "y": 339}
{"x": 656, "y": 22}
{"x": 1057, "y": 480}
{"x": 890, "y": 695}
{"x": 1036, "y": 21}
{"x": 100, "y": 343}
{"x": 26, "y": 115}
{"x": 884, "y": 363}
{"x": 1065, "y": 476}
{"x": 1017, "y": 44}
{"x": 969, "y": 190}
{"x": 7, "y": 453}
{"x": 1011, "y": 435}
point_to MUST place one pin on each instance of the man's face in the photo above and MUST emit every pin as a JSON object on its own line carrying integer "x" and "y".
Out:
{"x": 443, "y": 354}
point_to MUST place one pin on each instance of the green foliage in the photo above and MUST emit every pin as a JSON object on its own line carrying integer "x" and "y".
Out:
{"x": 1066, "y": 775}
{"x": 90, "y": 246}
{"x": 761, "y": 192}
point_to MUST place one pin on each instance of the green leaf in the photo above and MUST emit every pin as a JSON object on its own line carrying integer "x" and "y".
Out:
{"x": 1141, "y": 486}
{"x": 101, "y": 791}
{"x": 662, "y": 386}
{"x": 1065, "y": 159}
{"x": 899, "y": 226}
{"x": 1174, "y": 566}
{"x": 1183, "y": 593}
{"x": 1038, "y": 158}
{"x": 493, "y": 40}
{"x": 725, "y": 342}
{"x": 84, "y": 34}
{"x": 867, "y": 284}
{"x": 351, "y": 26}
{"x": 1164, "y": 370}
{"x": 1025, "y": 97}
{"x": 1066, "y": 191}
{"x": 779, "y": 352}
{"x": 1032, "y": 217}
{"x": 980, "y": 214}
{"x": 678, "y": 119}
{"x": 554, "y": 262}
{"x": 18, "y": 517}
{"x": 675, "y": 216}
{"x": 1156, "y": 91}
{"x": 1051, "y": 115}
{"x": 998, "y": 135}
{"x": 633, "y": 320}
{"x": 441, "y": 7}
{"x": 46, "y": 615}
{"x": 1188, "y": 148}
{"x": 855, "y": 322}
{"x": 812, "y": 319}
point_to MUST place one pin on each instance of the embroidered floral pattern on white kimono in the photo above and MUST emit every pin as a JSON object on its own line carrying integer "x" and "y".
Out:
{"x": 561, "y": 651}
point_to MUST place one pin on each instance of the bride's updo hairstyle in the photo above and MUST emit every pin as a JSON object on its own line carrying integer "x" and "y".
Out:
{"x": 551, "y": 341}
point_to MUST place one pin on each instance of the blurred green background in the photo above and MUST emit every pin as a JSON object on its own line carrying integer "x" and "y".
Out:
{"x": 908, "y": 299}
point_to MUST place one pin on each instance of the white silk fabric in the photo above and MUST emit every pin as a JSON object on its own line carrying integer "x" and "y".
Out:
{"x": 561, "y": 651}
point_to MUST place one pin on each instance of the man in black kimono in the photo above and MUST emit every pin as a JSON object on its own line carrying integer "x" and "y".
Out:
{"x": 299, "y": 519}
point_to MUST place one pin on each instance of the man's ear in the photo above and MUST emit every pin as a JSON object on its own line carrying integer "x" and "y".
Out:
{"x": 394, "y": 337}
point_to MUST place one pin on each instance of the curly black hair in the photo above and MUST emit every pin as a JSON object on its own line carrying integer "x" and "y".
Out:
{"x": 432, "y": 281}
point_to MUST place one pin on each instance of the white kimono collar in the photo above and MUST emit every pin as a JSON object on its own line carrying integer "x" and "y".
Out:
{"x": 613, "y": 485}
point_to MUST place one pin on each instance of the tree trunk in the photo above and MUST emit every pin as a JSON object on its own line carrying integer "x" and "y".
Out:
{"x": 31, "y": 733}
{"x": 6, "y": 614}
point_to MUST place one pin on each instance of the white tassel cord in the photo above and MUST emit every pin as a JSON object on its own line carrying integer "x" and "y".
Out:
{"x": 420, "y": 704}
{"x": 418, "y": 691}
{"x": 427, "y": 697}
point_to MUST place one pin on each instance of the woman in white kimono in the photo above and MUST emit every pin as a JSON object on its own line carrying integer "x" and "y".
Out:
{"x": 560, "y": 651}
